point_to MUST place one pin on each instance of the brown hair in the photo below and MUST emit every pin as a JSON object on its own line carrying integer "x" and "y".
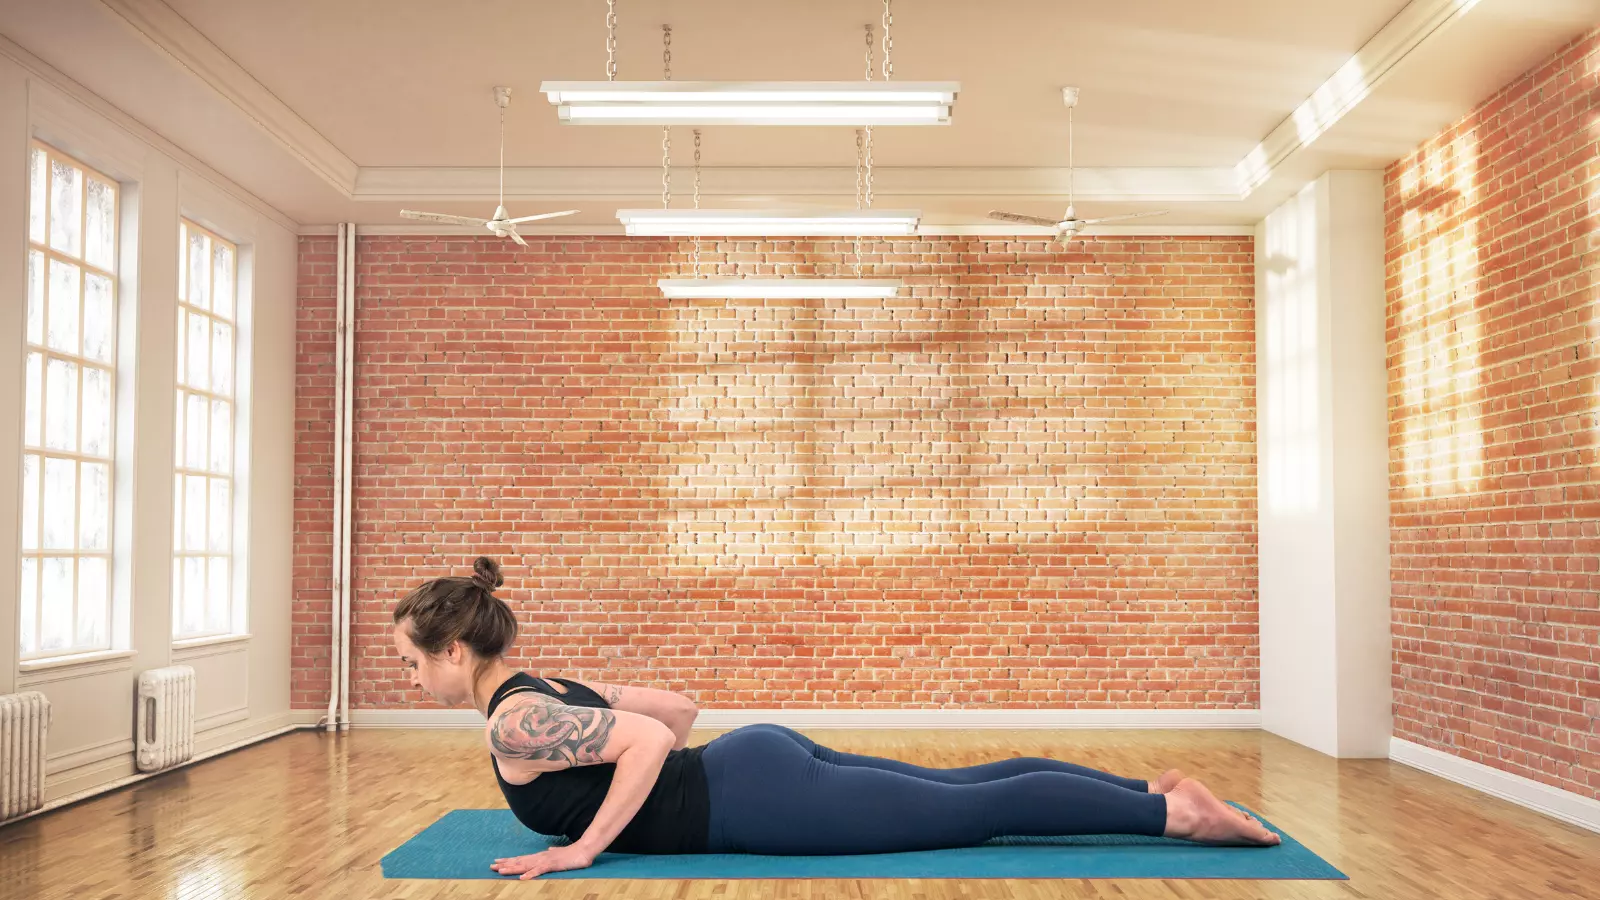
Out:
{"x": 448, "y": 609}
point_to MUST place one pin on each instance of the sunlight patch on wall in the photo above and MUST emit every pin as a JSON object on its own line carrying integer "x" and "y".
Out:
{"x": 798, "y": 437}
{"x": 1439, "y": 324}
{"x": 1290, "y": 448}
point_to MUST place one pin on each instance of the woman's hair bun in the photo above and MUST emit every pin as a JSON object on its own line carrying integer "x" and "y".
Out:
{"x": 486, "y": 574}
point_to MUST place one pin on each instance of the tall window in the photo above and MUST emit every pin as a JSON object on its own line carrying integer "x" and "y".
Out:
{"x": 68, "y": 426}
{"x": 202, "y": 490}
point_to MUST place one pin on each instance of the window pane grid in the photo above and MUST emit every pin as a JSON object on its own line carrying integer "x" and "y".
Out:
{"x": 203, "y": 455}
{"x": 66, "y": 557}
{"x": 82, "y": 365}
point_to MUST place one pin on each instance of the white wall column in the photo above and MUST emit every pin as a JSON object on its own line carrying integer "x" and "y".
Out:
{"x": 1322, "y": 467}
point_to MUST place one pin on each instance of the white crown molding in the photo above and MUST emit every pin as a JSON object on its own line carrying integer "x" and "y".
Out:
{"x": 996, "y": 230}
{"x": 54, "y": 78}
{"x": 1248, "y": 719}
{"x": 1417, "y": 23}
{"x": 766, "y": 184}
{"x": 161, "y": 27}
{"x": 1346, "y": 88}
{"x": 1574, "y": 809}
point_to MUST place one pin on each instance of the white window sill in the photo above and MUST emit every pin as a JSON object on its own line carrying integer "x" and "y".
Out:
{"x": 77, "y": 659}
{"x": 209, "y": 641}
{"x": 99, "y": 656}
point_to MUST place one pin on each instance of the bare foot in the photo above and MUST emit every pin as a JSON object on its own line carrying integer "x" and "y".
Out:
{"x": 1168, "y": 780}
{"x": 1194, "y": 814}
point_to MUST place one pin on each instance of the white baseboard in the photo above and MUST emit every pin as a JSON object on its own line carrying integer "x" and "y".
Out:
{"x": 1574, "y": 809}
{"x": 875, "y": 718}
{"x": 109, "y": 774}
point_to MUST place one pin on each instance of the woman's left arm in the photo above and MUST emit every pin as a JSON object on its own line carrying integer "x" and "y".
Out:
{"x": 637, "y": 770}
{"x": 559, "y": 737}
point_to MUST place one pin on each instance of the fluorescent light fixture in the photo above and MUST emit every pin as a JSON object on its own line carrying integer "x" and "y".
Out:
{"x": 777, "y": 288}
{"x": 753, "y": 102}
{"x": 775, "y": 222}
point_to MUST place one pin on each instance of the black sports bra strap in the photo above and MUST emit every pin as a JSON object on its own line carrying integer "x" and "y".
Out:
{"x": 520, "y": 687}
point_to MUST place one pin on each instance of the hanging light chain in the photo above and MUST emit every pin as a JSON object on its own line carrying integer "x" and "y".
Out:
{"x": 864, "y": 146}
{"x": 869, "y": 51}
{"x": 860, "y": 161}
{"x": 868, "y": 143}
{"x": 611, "y": 40}
{"x": 666, "y": 130}
{"x": 696, "y": 259}
{"x": 864, "y": 140}
{"x": 888, "y": 40}
{"x": 666, "y": 166}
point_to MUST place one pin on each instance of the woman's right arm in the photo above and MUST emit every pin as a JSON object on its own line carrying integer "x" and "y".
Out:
{"x": 674, "y": 710}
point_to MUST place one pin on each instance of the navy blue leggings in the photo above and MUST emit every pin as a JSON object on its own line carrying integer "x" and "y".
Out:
{"x": 775, "y": 791}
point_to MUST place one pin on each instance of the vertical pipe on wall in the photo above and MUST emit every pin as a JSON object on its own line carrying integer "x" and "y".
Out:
{"x": 334, "y": 657}
{"x": 349, "y": 338}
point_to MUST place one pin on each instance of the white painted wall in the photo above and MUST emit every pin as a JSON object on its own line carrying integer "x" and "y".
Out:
{"x": 243, "y": 683}
{"x": 1323, "y": 463}
{"x": 1362, "y": 642}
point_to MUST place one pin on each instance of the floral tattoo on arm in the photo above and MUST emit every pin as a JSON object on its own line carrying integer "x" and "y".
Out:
{"x": 553, "y": 732}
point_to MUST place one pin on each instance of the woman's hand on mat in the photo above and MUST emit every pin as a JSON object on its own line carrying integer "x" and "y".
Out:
{"x": 556, "y": 859}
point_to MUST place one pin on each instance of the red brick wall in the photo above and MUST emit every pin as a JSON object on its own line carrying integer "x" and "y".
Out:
{"x": 311, "y": 619}
{"x": 1028, "y": 482}
{"x": 1495, "y": 495}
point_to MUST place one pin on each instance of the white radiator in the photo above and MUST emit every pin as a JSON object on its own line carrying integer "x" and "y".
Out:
{"x": 24, "y": 724}
{"x": 165, "y": 721}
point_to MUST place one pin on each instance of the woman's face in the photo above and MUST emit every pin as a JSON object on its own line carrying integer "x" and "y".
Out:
{"x": 446, "y": 677}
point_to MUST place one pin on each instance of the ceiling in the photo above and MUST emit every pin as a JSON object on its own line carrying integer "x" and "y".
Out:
{"x": 348, "y": 111}
{"x": 1165, "y": 82}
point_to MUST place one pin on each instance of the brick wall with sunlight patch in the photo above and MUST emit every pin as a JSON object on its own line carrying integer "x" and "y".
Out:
{"x": 1493, "y": 319}
{"x": 1027, "y": 482}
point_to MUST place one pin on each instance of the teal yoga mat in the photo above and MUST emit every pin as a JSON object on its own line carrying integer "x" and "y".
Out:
{"x": 463, "y": 843}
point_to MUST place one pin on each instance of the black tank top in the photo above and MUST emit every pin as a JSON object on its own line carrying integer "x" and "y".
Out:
{"x": 675, "y": 817}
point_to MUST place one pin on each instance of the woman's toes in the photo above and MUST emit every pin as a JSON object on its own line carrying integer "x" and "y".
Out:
{"x": 1169, "y": 779}
{"x": 1255, "y": 830}
{"x": 1200, "y": 816}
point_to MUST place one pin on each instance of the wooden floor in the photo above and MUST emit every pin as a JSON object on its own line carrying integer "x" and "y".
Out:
{"x": 309, "y": 815}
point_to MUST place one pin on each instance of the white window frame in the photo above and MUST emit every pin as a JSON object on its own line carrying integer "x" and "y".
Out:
{"x": 234, "y": 624}
{"x": 39, "y": 553}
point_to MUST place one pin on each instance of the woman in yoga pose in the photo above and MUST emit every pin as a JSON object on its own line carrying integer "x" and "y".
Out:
{"x": 607, "y": 766}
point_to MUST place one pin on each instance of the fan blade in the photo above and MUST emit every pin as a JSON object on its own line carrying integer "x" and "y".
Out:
{"x": 1138, "y": 215}
{"x": 564, "y": 212}
{"x": 1025, "y": 220}
{"x": 441, "y": 217}
{"x": 512, "y": 233}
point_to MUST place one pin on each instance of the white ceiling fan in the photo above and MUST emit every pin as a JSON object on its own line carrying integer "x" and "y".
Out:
{"x": 1070, "y": 225}
{"x": 500, "y": 226}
